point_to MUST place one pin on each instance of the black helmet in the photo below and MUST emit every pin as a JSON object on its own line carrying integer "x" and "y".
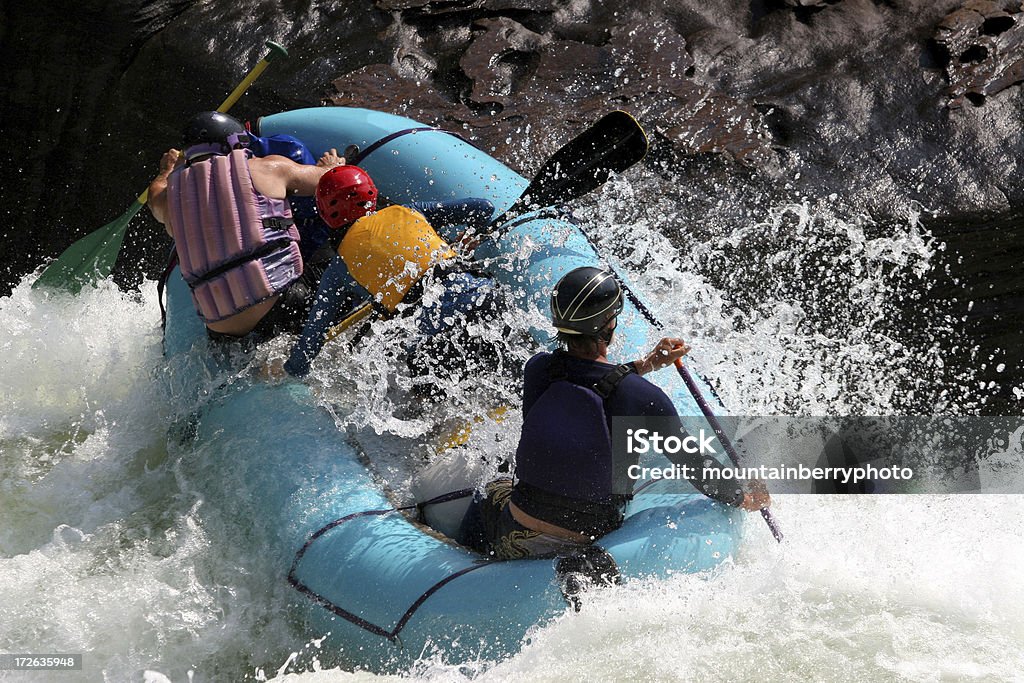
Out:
{"x": 211, "y": 132}
{"x": 585, "y": 300}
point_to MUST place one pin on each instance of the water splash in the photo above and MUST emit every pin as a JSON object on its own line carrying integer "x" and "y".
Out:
{"x": 108, "y": 547}
{"x": 805, "y": 308}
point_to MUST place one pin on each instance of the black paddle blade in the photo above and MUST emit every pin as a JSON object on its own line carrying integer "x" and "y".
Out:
{"x": 611, "y": 145}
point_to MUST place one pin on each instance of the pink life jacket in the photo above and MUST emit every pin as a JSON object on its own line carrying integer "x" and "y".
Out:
{"x": 236, "y": 246}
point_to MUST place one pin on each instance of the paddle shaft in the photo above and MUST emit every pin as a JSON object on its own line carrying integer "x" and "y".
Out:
{"x": 354, "y": 317}
{"x": 723, "y": 438}
{"x": 698, "y": 396}
{"x": 610, "y": 145}
{"x": 276, "y": 50}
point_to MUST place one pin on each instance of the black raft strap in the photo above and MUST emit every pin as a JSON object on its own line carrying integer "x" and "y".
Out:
{"x": 161, "y": 285}
{"x": 606, "y": 386}
{"x": 374, "y": 146}
{"x": 278, "y": 223}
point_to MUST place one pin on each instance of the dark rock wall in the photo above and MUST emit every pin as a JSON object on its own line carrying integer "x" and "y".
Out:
{"x": 860, "y": 98}
{"x": 889, "y": 105}
{"x": 91, "y": 93}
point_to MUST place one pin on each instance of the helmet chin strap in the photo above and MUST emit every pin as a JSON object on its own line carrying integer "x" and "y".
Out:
{"x": 608, "y": 332}
{"x": 239, "y": 140}
{"x": 591, "y": 347}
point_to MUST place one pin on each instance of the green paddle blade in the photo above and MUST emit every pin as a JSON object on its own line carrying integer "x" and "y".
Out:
{"x": 611, "y": 145}
{"x": 90, "y": 259}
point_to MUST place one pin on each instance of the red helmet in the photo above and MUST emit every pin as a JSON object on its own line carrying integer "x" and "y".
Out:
{"x": 344, "y": 194}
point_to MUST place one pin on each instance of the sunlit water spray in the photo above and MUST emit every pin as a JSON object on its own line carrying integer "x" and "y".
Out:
{"x": 107, "y": 546}
{"x": 807, "y": 309}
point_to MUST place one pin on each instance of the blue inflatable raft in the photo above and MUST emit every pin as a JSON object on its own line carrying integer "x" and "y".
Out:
{"x": 384, "y": 591}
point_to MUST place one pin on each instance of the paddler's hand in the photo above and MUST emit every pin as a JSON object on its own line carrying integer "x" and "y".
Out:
{"x": 330, "y": 159}
{"x": 171, "y": 159}
{"x": 468, "y": 241}
{"x": 755, "y": 496}
{"x": 664, "y": 354}
{"x": 157, "y": 200}
{"x": 273, "y": 370}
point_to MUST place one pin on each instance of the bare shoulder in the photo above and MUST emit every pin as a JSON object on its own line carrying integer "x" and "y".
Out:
{"x": 278, "y": 176}
{"x": 273, "y": 163}
{"x": 271, "y": 175}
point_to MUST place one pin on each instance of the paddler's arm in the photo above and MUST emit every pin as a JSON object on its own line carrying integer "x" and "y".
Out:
{"x": 472, "y": 212}
{"x": 662, "y": 355}
{"x": 337, "y": 296}
{"x": 158, "y": 188}
{"x": 752, "y": 495}
{"x": 280, "y": 177}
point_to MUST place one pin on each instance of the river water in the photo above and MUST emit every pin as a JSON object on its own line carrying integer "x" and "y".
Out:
{"x": 108, "y": 548}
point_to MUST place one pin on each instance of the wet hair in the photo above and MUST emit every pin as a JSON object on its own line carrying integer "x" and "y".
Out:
{"x": 579, "y": 344}
{"x": 587, "y": 344}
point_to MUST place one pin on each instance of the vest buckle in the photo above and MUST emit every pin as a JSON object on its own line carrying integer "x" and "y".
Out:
{"x": 277, "y": 223}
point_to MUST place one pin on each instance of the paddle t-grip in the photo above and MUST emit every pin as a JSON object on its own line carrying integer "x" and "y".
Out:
{"x": 276, "y": 51}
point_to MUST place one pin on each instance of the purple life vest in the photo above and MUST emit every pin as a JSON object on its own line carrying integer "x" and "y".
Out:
{"x": 236, "y": 246}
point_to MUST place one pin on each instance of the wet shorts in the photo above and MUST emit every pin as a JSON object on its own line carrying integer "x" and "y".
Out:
{"x": 491, "y": 529}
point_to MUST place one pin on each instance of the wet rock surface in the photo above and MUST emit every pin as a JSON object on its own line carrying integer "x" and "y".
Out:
{"x": 984, "y": 43}
{"x": 507, "y": 74}
{"x": 879, "y": 105}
